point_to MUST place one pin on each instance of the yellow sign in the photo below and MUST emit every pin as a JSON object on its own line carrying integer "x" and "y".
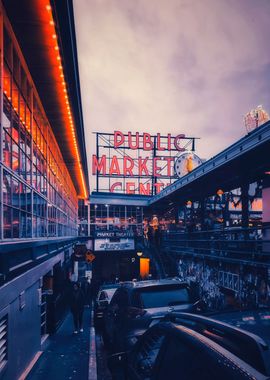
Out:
{"x": 90, "y": 256}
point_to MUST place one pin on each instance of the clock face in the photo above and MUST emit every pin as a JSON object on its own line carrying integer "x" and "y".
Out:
{"x": 185, "y": 163}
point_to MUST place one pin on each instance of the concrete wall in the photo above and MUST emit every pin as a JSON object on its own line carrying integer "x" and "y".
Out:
{"x": 24, "y": 335}
{"x": 23, "y": 332}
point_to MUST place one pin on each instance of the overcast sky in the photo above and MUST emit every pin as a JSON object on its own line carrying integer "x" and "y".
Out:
{"x": 178, "y": 66}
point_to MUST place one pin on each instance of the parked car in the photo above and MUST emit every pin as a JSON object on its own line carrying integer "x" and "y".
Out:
{"x": 136, "y": 306}
{"x": 102, "y": 301}
{"x": 189, "y": 347}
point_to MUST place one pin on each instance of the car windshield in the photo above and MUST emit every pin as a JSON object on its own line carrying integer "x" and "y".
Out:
{"x": 152, "y": 298}
{"x": 110, "y": 293}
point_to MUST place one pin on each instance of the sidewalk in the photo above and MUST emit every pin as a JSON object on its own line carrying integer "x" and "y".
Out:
{"x": 67, "y": 355}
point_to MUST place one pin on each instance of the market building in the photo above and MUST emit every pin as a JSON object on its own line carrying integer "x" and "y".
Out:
{"x": 43, "y": 173}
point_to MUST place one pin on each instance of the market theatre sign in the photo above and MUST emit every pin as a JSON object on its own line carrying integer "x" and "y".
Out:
{"x": 137, "y": 163}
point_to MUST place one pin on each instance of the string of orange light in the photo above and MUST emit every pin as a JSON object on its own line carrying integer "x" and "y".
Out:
{"x": 65, "y": 93}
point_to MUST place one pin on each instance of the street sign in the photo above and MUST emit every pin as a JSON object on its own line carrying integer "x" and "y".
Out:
{"x": 90, "y": 257}
{"x": 88, "y": 274}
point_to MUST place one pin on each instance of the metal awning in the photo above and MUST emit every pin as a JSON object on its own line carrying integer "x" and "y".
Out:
{"x": 245, "y": 161}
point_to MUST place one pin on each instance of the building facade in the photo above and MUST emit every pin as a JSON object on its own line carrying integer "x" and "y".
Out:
{"x": 43, "y": 174}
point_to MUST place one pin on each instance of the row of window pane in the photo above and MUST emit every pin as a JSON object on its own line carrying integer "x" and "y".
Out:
{"x": 44, "y": 201}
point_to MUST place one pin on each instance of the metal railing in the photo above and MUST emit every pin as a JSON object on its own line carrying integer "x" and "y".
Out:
{"x": 230, "y": 243}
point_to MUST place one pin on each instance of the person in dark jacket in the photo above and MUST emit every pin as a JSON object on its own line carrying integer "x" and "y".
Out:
{"x": 77, "y": 306}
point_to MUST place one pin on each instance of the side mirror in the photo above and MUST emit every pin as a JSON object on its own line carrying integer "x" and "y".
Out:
{"x": 117, "y": 363}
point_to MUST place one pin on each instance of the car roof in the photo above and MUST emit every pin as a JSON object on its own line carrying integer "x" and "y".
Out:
{"x": 152, "y": 283}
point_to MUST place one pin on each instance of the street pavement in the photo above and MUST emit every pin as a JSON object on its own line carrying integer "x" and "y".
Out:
{"x": 67, "y": 355}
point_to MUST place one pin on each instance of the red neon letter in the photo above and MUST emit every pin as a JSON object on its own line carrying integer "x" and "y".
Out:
{"x": 142, "y": 166}
{"x": 118, "y": 142}
{"x": 130, "y": 188}
{"x": 177, "y": 142}
{"x": 99, "y": 166}
{"x": 159, "y": 147}
{"x": 147, "y": 142}
{"x": 128, "y": 169}
{"x": 156, "y": 169}
{"x": 169, "y": 141}
{"x": 143, "y": 190}
{"x": 114, "y": 168}
{"x": 169, "y": 160}
{"x": 130, "y": 142}
{"x": 114, "y": 185}
{"x": 158, "y": 187}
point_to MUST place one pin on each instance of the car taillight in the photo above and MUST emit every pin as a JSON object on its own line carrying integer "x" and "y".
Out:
{"x": 134, "y": 312}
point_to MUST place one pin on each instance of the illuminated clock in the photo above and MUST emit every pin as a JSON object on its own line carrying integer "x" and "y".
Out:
{"x": 185, "y": 163}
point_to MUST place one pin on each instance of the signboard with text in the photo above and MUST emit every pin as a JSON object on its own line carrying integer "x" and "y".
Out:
{"x": 135, "y": 163}
{"x": 114, "y": 234}
{"x": 114, "y": 244}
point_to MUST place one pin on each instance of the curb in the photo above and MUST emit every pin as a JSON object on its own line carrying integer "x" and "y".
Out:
{"x": 92, "y": 369}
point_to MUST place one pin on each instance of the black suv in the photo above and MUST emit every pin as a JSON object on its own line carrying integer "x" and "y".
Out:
{"x": 136, "y": 306}
{"x": 102, "y": 301}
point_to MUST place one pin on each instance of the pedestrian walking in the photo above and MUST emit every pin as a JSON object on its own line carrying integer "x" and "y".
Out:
{"x": 77, "y": 307}
{"x": 86, "y": 288}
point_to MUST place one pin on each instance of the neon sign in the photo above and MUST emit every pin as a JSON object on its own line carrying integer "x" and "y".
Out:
{"x": 135, "y": 163}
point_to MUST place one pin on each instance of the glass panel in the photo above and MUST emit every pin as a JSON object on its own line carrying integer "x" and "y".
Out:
{"x": 7, "y": 82}
{"x": 7, "y": 222}
{"x": 6, "y": 188}
{"x": 15, "y": 97}
{"x": 23, "y": 224}
{"x": 6, "y": 149}
{"x": 7, "y": 48}
{"x": 15, "y": 193}
{"x": 16, "y": 67}
{"x": 15, "y": 223}
{"x": 164, "y": 297}
{"x": 15, "y": 157}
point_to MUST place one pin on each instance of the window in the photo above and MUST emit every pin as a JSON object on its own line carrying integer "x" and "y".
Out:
{"x": 7, "y": 222}
{"x": 31, "y": 152}
{"x": 164, "y": 296}
{"x": 120, "y": 298}
{"x": 102, "y": 296}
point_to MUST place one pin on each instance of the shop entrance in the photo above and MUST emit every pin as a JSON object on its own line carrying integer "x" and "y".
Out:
{"x": 115, "y": 266}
